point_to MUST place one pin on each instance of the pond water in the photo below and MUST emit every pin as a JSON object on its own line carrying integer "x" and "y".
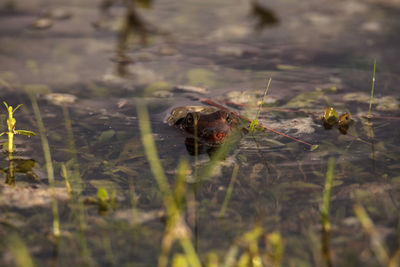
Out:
{"x": 88, "y": 69}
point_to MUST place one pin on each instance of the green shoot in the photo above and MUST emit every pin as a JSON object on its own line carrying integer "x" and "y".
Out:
{"x": 20, "y": 251}
{"x": 73, "y": 174}
{"x": 372, "y": 90}
{"x": 49, "y": 164}
{"x": 251, "y": 256}
{"x": 254, "y": 123}
{"x": 11, "y": 128}
{"x": 66, "y": 177}
{"x": 151, "y": 151}
{"x": 176, "y": 228}
{"x": 276, "y": 248}
{"x": 325, "y": 210}
{"x": 105, "y": 201}
{"x": 327, "y": 195}
{"x": 369, "y": 227}
{"x": 229, "y": 191}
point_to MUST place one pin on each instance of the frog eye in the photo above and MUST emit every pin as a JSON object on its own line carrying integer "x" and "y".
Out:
{"x": 228, "y": 118}
{"x": 189, "y": 120}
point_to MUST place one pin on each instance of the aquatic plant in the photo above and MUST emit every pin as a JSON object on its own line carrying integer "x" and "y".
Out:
{"x": 49, "y": 164}
{"x": 325, "y": 211}
{"x": 229, "y": 190}
{"x": 254, "y": 123}
{"x": 176, "y": 229}
{"x": 11, "y": 121}
{"x": 372, "y": 90}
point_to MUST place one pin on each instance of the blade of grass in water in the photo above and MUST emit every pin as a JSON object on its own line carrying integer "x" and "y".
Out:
{"x": 66, "y": 177}
{"x": 49, "y": 165}
{"x": 325, "y": 210}
{"x": 76, "y": 186}
{"x": 327, "y": 195}
{"x": 151, "y": 151}
{"x": 369, "y": 227}
{"x": 229, "y": 190}
{"x": 19, "y": 251}
{"x": 176, "y": 227}
{"x": 217, "y": 156}
{"x": 262, "y": 101}
{"x": 254, "y": 123}
{"x": 372, "y": 90}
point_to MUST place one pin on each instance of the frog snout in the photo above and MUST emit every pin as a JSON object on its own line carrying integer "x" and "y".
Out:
{"x": 219, "y": 136}
{"x": 214, "y": 135}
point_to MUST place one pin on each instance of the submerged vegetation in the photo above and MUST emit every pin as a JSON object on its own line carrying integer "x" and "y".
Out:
{"x": 11, "y": 121}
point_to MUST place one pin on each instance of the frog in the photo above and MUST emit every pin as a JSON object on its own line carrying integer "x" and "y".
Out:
{"x": 211, "y": 125}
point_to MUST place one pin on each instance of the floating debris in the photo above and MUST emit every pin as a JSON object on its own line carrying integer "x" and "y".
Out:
{"x": 356, "y": 96}
{"x": 167, "y": 51}
{"x": 236, "y": 51}
{"x": 158, "y": 86}
{"x": 193, "y": 89}
{"x": 139, "y": 217}
{"x": 287, "y": 67}
{"x": 385, "y": 103}
{"x": 229, "y": 32}
{"x": 58, "y": 13}
{"x": 296, "y": 126}
{"x": 250, "y": 97}
{"x": 42, "y": 24}
{"x": 203, "y": 77}
{"x": 60, "y": 99}
{"x": 121, "y": 103}
{"x": 163, "y": 94}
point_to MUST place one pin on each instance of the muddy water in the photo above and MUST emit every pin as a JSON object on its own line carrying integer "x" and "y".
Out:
{"x": 317, "y": 54}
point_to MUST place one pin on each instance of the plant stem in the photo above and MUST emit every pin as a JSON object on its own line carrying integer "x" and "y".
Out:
{"x": 327, "y": 195}
{"x": 20, "y": 251}
{"x": 10, "y": 142}
{"x": 151, "y": 150}
{"x": 262, "y": 101}
{"x": 369, "y": 227}
{"x": 229, "y": 191}
{"x": 372, "y": 90}
{"x": 49, "y": 165}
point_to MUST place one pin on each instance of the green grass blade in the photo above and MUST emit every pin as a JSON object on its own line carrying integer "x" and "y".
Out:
{"x": 369, "y": 227}
{"x": 262, "y": 101}
{"x": 49, "y": 165}
{"x": 229, "y": 190}
{"x": 372, "y": 90}
{"x": 327, "y": 195}
{"x": 20, "y": 251}
{"x": 151, "y": 150}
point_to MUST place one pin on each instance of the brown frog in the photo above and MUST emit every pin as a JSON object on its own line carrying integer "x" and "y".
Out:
{"x": 212, "y": 125}
{"x": 213, "y": 128}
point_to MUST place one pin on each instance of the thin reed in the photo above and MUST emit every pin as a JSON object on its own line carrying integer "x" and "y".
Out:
{"x": 372, "y": 90}
{"x": 49, "y": 164}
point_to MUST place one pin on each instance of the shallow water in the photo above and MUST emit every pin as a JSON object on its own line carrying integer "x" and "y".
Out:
{"x": 316, "y": 53}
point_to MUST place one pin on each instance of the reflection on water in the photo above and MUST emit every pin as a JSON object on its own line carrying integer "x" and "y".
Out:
{"x": 263, "y": 16}
{"x": 133, "y": 25}
{"x": 19, "y": 165}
